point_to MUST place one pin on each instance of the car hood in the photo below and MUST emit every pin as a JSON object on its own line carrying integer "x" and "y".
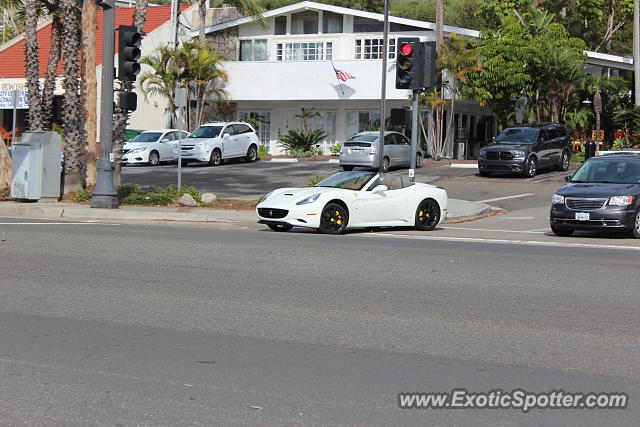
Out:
{"x": 132, "y": 145}
{"x": 598, "y": 190}
{"x": 512, "y": 146}
{"x": 284, "y": 196}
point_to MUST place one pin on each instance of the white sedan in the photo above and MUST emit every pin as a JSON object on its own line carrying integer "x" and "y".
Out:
{"x": 152, "y": 147}
{"x": 355, "y": 199}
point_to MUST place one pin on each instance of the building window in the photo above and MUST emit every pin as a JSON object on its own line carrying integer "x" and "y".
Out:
{"x": 280, "y": 26}
{"x": 331, "y": 23}
{"x": 311, "y": 51}
{"x": 366, "y": 25}
{"x": 253, "y": 50}
{"x": 325, "y": 120}
{"x": 304, "y": 22}
{"x": 358, "y": 121}
{"x": 261, "y": 121}
{"x": 372, "y": 48}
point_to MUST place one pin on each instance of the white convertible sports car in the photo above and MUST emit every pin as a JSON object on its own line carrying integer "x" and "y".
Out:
{"x": 352, "y": 200}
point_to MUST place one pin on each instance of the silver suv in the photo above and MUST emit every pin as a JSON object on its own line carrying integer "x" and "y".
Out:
{"x": 215, "y": 142}
{"x": 362, "y": 149}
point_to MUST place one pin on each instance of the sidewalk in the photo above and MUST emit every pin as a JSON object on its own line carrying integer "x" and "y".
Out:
{"x": 459, "y": 210}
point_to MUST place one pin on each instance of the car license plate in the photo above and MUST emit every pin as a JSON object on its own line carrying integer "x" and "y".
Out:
{"x": 357, "y": 150}
{"x": 582, "y": 216}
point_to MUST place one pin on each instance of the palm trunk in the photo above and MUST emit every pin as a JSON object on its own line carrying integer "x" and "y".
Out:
{"x": 32, "y": 62}
{"x": 5, "y": 167}
{"x": 89, "y": 85}
{"x": 52, "y": 71}
{"x": 202, "y": 15}
{"x": 74, "y": 148}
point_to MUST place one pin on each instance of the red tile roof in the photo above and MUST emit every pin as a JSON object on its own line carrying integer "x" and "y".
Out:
{"x": 12, "y": 58}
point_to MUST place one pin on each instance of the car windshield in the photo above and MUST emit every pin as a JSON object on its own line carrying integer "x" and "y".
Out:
{"x": 526, "y": 136}
{"x": 347, "y": 180}
{"x": 610, "y": 171}
{"x": 147, "y": 137}
{"x": 206, "y": 132}
{"x": 365, "y": 138}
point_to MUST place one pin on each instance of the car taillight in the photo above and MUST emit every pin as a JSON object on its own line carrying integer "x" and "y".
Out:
{"x": 373, "y": 150}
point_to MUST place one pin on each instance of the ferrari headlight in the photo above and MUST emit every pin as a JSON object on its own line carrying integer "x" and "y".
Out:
{"x": 557, "y": 199}
{"x": 309, "y": 199}
{"x": 621, "y": 201}
{"x": 266, "y": 196}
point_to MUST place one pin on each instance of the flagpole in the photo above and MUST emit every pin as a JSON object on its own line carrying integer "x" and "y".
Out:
{"x": 336, "y": 74}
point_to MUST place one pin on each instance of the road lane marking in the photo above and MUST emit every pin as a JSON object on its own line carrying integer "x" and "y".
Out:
{"x": 504, "y": 241}
{"x": 492, "y": 231}
{"x": 515, "y": 196}
{"x": 517, "y": 217}
{"x": 54, "y": 223}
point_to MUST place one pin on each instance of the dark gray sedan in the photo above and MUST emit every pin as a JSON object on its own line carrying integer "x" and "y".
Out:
{"x": 362, "y": 149}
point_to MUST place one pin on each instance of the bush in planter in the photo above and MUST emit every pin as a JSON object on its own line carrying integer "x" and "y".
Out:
{"x": 301, "y": 140}
{"x": 314, "y": 152}
{"x": 335, "y": 148}
{"x": 262, "y": 151}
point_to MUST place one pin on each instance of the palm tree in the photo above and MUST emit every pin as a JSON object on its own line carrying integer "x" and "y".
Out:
{"x": 595, "y": 85}
{"x": 435, "y": 109}
{"x": 32, "y": 62}
{"x": 164, "y": 78}
{"x": 205, "y": 75}
{"x": 73, "y": 116}
{"x": 458, "y": 61}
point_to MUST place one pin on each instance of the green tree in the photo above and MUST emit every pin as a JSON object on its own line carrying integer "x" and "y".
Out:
{"x": 163, "y": 79}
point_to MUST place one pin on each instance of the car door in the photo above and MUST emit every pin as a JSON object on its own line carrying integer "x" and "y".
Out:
{"x": 243, "y": 134}
{"x": 404, "y": 149}
{"x": 229, "y": 149}
{"x": 543, "y": 148}
{"x": 555, "y": 146}
{"x": 383, "y": 207}
{"x": 390, "y": 149}
{"x": 166, "y": 145}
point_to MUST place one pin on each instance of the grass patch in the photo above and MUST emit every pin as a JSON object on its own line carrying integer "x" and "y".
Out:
{"x": 134, "y": 195}
{"x": 577, "y": 157}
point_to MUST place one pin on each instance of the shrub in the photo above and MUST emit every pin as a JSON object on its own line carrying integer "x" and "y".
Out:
{"x": 298, "y": 152}
{"x": 313, "y": 180}
{"x": 301, "y": 140}
{"x": 262, "y": 151}
{"x": 335, "y": 148}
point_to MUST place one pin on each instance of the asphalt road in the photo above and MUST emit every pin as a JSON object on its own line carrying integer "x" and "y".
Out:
{"x": 221, "y": 324}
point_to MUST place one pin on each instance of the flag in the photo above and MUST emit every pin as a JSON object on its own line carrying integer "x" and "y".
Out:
{"x": 343, "y": 75}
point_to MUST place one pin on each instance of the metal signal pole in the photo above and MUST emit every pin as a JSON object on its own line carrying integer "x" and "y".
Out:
{"x": 105, "y": 195}
{"x": 383, "y": 96}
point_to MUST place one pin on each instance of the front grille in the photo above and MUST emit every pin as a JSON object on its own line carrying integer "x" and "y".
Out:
{"x": 187, "y": 147}
{"x": 492, "y": 155}
{"x": 506, "y": 155}
{"x": 584, "y": 204}
{"x": 499, "y": 155}
{"x": 272, "y": 212}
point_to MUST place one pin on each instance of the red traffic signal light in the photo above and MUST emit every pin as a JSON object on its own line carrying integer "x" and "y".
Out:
{"x": 406, "y": 49}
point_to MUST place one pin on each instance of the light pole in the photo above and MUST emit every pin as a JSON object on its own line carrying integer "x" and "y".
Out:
{"x": 105, "y": 195}
{"x": 383, "y": 95}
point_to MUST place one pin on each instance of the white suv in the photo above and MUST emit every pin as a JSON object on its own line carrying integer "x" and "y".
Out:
{"x": 214, "y": 142}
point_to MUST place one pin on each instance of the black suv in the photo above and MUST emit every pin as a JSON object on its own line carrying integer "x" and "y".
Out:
{"x": 523, "y": 149}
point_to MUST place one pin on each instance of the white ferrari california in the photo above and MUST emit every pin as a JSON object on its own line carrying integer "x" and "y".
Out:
{"x": 354, "y": 200}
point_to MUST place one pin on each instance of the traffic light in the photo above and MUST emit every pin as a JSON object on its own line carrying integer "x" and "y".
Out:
{"x": 128, "y": 101}
{"x": 409, "y": 63}
{"x": 429, "y": 73}
{"x": 128, "y": 53}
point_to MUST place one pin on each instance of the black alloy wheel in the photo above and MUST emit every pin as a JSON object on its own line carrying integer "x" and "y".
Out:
{"x": 280, "y": 227}
{"x": 427, "y": 215}
{"x": 252, "y": 154}
{"x": 531, "y": 167}
{"x": 334, "y": 219}
{"x": 562, "y": 232}
{"x": 216, "y": 158}
{"x": 564, "y": 161}
{"x": 154, "y": 158}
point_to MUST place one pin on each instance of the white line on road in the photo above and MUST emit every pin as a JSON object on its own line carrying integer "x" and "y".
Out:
{"x": 518, "y": 217}
{"x": 515, "y": 196}
{"x": 508, "y": 242}
{"x": 493, "y": 231}
{"x": 53, "y": 223}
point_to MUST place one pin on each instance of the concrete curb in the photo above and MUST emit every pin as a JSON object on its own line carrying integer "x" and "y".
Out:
{"x": 458, "y": 210}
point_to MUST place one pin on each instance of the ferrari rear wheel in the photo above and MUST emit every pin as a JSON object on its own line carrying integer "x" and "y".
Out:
{"x": 280, "y": 227}
{"x": 427, "y": 215}
{"x": 334, "y": 219}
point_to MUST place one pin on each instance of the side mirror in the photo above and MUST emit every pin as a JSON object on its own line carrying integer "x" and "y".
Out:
{"x": 225, "y": 136}
{"x": 165, "y": 140}
{"x": 379, "y": 189}
{"x": 567, "y": 178}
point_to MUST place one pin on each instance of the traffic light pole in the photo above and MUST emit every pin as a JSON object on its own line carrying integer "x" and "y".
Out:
{"x": 105, "y": 195}
{"x": 414, "y": 134}
{"x": 383, "y": 95}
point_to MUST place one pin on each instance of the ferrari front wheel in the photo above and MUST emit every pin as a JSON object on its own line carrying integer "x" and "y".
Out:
{"x": 427, "y": 215}
{"x": 334, "y": 219}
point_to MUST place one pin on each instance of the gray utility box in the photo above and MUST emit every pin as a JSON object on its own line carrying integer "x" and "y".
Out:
{"x": 36, "y": 166}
